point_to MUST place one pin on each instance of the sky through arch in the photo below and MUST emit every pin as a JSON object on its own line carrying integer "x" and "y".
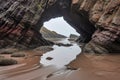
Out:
{"x": 60, "y": 26}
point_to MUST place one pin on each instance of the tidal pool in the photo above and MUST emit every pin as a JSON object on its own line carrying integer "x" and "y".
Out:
{"x": 61, "y": 55}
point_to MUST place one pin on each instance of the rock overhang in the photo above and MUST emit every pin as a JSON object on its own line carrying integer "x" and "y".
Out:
{"x": 86, "y": 16}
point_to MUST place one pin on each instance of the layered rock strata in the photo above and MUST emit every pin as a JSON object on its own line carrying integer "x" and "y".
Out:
{"x": 17, "y": 23}
{"x": 105, "y": 15}
{"x": 98, "y": 22}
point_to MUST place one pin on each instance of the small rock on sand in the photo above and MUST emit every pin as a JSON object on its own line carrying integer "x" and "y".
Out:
{"x": 49, "y": 58}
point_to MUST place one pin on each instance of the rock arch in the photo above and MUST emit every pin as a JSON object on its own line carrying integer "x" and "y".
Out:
{"x": 20, "y": 21}
{"x": 16, "y": 14}
{"x": 77, "y": 21}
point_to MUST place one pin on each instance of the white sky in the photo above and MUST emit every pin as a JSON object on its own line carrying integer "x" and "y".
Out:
{"x": 60, "y": 26}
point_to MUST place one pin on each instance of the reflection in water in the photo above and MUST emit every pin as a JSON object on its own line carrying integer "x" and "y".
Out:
{"x": 61, "y": 55}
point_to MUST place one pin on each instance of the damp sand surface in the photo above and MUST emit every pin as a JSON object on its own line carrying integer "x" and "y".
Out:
{"x": 80, "y": 67}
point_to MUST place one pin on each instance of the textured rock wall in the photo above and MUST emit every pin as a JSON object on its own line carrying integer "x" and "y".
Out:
{"x": 29, "y": 15}
{"x": 20, "y": 21}
{"x": 105, "y": 15}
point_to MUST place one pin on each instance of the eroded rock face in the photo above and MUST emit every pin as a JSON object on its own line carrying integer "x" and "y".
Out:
{"x": 105, "y": 15}
{"x": 21, "y": 20}
{"x": 18, "y": 19}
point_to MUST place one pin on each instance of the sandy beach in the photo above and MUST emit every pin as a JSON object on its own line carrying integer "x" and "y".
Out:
{"x": 84, "y": 67}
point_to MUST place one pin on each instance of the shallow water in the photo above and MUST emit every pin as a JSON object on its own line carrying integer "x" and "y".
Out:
{"x": 61, "y": 55}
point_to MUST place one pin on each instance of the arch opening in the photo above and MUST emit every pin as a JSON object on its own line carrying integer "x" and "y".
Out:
{"x": 78, "y": 21}
{"x": 60, "y": 26}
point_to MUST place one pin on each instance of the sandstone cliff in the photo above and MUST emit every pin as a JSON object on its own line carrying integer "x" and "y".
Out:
{"x": 98, "y": 22}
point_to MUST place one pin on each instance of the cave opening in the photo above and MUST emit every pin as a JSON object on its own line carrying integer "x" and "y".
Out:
{"x": 60, "y": 26}
{"x": 78, "y": 21}
{"x": 28, "y": 24}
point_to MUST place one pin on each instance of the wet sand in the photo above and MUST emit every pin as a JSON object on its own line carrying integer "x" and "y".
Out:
{"x": 30, "y": 64}
{"x": 97, "y": 67}
{"x": 91, "y": 67}
{"x": 88, "y": 67}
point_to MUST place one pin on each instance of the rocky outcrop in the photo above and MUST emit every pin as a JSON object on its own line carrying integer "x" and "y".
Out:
{"x": 105, "y": 15}
{"x": 17, "y": 23}
{"x": 50, "y": 34}
{"x": 96, "y": 20}
{"x": 21, "y": 20}
{"x": 73, "y": 37}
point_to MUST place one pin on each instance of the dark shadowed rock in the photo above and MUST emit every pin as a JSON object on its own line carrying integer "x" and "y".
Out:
{"x": 62, "y": 44}
{"x": 49, "y": 58}
{"x": 6, "y": 62}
